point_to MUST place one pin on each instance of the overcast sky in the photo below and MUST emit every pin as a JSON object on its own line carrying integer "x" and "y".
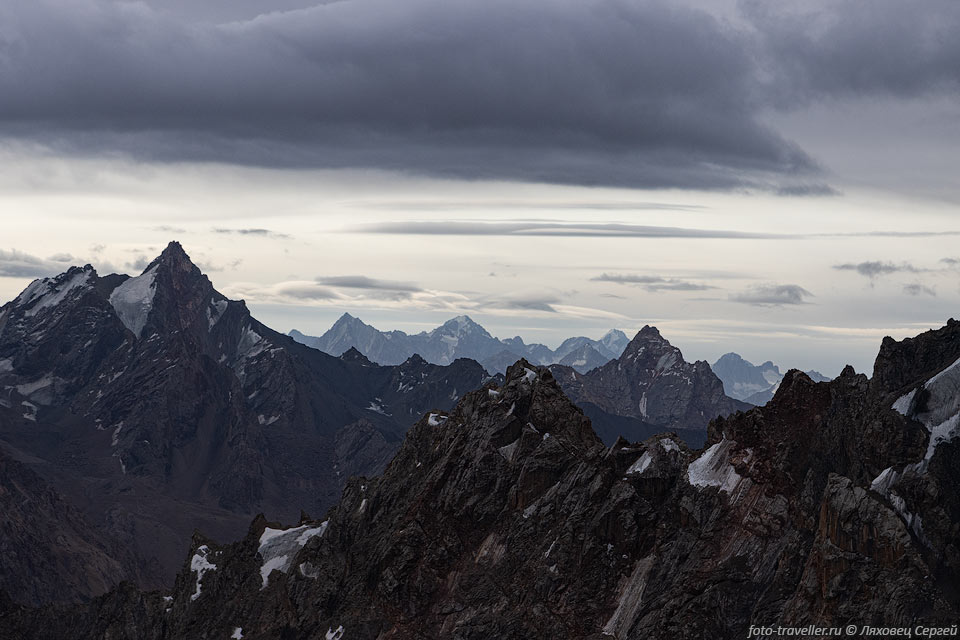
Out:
{"x": 758, "y": 177}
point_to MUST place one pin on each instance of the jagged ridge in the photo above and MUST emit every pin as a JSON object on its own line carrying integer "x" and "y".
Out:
{"x": 507, "y": 518}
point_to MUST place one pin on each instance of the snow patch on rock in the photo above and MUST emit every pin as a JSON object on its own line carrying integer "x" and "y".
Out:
{"x": 902, "y": 404}
{"x": 200, "y": 564}
{"x": 133, "y": 300}
{"x": 641, "y": 464}
{"x": 713, "y": 468}
{"x": 508, "y": 451}
{"x": 48, "y": 293}
{"x": 669, "y": 445}
{"x": 215, "y": 311}
{"x": 279, "y": 546}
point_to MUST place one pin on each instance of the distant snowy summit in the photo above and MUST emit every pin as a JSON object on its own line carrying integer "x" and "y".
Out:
{"x": 752, "y": 383}
{"x": 461, "y": 337}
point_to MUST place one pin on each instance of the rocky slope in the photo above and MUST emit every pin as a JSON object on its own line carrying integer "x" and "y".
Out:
{"x": 650, "y": 388}
{"x": 156, "y": 406}
{"x": 835, "y": 504}
{"x": 460, "y": 337}
{"x": 50, "y": 553}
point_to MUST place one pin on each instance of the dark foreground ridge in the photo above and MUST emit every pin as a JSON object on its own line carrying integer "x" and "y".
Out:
{"x": 835, "y": 504}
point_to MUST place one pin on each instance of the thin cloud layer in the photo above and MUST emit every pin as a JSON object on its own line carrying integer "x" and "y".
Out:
{"x": 917, "y": 289}
{"x": 17, "y": 264}
{"x": 773, "y": 295}
{"x": 363, "y": 282}
{"x": 557, "y": 229}
{"x": 652, "y": 283}
{"x": 876, "y": 268}
{"x": 266, "y": 233}
{"x": 519, "y": 304}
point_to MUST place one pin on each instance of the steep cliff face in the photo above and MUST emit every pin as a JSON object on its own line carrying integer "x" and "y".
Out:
{"x": 834, "y": 504}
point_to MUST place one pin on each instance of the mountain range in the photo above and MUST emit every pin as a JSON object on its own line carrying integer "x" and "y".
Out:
{"x": 157, "y": 406}
{"x": 752, "y": 383}
{"x": 461, "y": 337}
{"x": 151, "y": 406}
{"x": 834, "y": 505}
{"x": 646, "y": 388}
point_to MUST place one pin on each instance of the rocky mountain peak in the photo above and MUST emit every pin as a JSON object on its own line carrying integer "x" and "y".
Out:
{"x": 171, "y": 294}
{"x": 347, "y": 320}
{"x": 46, "y": 293}
{"x": 463, "y": 325}
{"x": 650, "y": 333}
{"x": 353, "y": 355}
{"x": 175, "y": 261}
{"x": 521, "y": 369}
{"x": 649, "y": 345}
{"x": 731, "y": 358}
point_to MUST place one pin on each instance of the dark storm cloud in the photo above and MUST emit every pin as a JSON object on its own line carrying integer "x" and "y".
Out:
{"x": 773, "y": 295}
{"x": 17, "y": 264}
{"x": 532, "y": 228}
{"x": 842, "y": 48}
{"x": 873, "y": 269}
{"x": 574, "y": 91}
{"x": 652, "y": 283}
{"x": 590, "y": 92}
{"x": 363, "y": 282}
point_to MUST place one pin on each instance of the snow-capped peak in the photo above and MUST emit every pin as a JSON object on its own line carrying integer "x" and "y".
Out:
{"x": 49, "y": 292}
{"x": 461, "y": 325}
